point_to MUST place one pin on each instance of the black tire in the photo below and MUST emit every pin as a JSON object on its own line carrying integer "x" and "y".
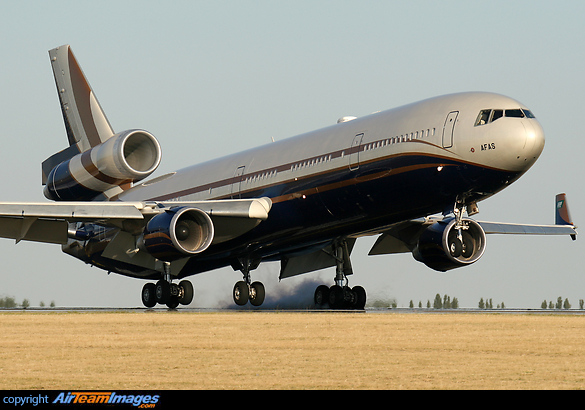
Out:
{"x": 455, "y": 247}
{"x": 359, "y": 297}
{"x": 321, "y": 295}
{"x": 148, "y": 295}
{"x": 257, "y": 288}
{"x": 241, "y": 293}
{"x": 173, "y": 302}
{"x": 336, "y": 298}
{"x": 162, "y": 292}
{"x": 468, "y": 248}
{"x": 188, "y": 292}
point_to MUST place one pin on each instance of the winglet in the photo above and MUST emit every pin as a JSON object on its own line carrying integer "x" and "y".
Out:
{"x": 562, "y": 215}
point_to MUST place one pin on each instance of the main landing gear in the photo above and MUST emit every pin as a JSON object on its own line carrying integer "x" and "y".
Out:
{"x": 165, "y": 292}
{"x": 245, "y": 290}
{"x": 340, "y": 295}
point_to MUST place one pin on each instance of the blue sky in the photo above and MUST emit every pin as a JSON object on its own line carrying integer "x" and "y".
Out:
{"x": 212, "y": 78}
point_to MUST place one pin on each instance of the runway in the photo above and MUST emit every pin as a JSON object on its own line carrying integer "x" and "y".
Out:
{"x": 88, "y": 309}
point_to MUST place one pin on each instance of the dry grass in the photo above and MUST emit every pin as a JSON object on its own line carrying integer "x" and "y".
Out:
{"x": 251, "y": 350}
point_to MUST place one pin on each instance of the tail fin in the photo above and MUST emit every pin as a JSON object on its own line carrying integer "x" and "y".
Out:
{"x": 85, "y": 121}
{"x": 562, "y": 216}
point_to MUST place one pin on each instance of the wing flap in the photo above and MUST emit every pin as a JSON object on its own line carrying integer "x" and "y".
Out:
{"x": 310, "y": 260}
{"x": 34, "y": 229}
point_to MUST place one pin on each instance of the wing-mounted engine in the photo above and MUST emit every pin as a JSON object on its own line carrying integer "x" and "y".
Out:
{"x": 444, "y": 245}
{"x": 178, "y": 233}
{"x": 124, "y": 158}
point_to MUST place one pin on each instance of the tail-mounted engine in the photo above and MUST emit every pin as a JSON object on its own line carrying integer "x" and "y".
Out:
{"x": 122, "y": 159}
{"x": 445, "y": 245}
{"x": 178, "y": 233}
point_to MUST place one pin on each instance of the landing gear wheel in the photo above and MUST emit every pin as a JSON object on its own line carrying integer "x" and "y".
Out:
{"x": 162, "y": 292}
{"x": 455, "y": 247}
{"x": 148, "y": 295}
{"x": 173, "y": 302}
{"x": 241, "y": 293}
{"x": 321, "y": 295}
{"x": 468, "y": 248}
{"x": 336, "y": 298}
{"x": 187, "y": 292}
{"x": 257, "y": 294}
{"x": 359, "y": 301}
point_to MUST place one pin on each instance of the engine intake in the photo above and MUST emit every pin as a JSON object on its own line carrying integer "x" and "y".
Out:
{"x": 124, "y": 158}
{"x": 442, "y": 246}
{"x": 178, "y": 233}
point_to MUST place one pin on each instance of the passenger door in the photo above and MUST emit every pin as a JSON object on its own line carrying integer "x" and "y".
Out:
{"x": 449, "y": 129}
{"x": 236, "y": 183}
{"x": 354, "y": 152}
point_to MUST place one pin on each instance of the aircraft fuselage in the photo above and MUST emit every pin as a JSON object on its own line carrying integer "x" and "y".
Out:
{"x": 359, "y": 175}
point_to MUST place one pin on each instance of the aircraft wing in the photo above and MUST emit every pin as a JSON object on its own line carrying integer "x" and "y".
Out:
{"x": 49, "y": 222}
{"x": 520, "y": 229}
{"x": 403, "y": 237}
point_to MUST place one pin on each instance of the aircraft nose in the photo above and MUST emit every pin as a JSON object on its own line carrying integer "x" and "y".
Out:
{"x": 534, "y": 142}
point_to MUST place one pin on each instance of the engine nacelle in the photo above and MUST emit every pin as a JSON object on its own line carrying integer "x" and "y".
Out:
{"x": 124, "y": 158}
{"x": 443, "y": 247}
{"x": 178, "y": 233}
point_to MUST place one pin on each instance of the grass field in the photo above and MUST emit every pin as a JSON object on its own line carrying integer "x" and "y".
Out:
{"x": 286, "y": 350}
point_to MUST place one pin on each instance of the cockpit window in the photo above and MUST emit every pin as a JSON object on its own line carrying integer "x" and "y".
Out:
{"x": 483, "y": 117}
{"x": 497, "y": 114}
{"x": 488, "y": 116}
{"x": 515, "y": 113}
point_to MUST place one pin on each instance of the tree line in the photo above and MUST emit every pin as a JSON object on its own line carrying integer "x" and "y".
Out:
{"x": 445, "y": 302}
{"x": 10, "y": 302}
{"x": 560, "y": 304}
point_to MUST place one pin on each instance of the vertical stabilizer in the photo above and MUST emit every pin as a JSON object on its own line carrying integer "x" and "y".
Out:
{"x": 85, "y": 121}
{"x": 562, "y": 216}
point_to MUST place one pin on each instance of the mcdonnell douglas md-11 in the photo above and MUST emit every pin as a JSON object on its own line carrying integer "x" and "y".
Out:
{"x": 412, "y": 175}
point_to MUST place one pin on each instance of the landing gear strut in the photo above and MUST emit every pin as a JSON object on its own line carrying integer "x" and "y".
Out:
{"x": 165, "y": 292}
{"x": 245, "y": 290}
{"x": 340, "y": 295}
